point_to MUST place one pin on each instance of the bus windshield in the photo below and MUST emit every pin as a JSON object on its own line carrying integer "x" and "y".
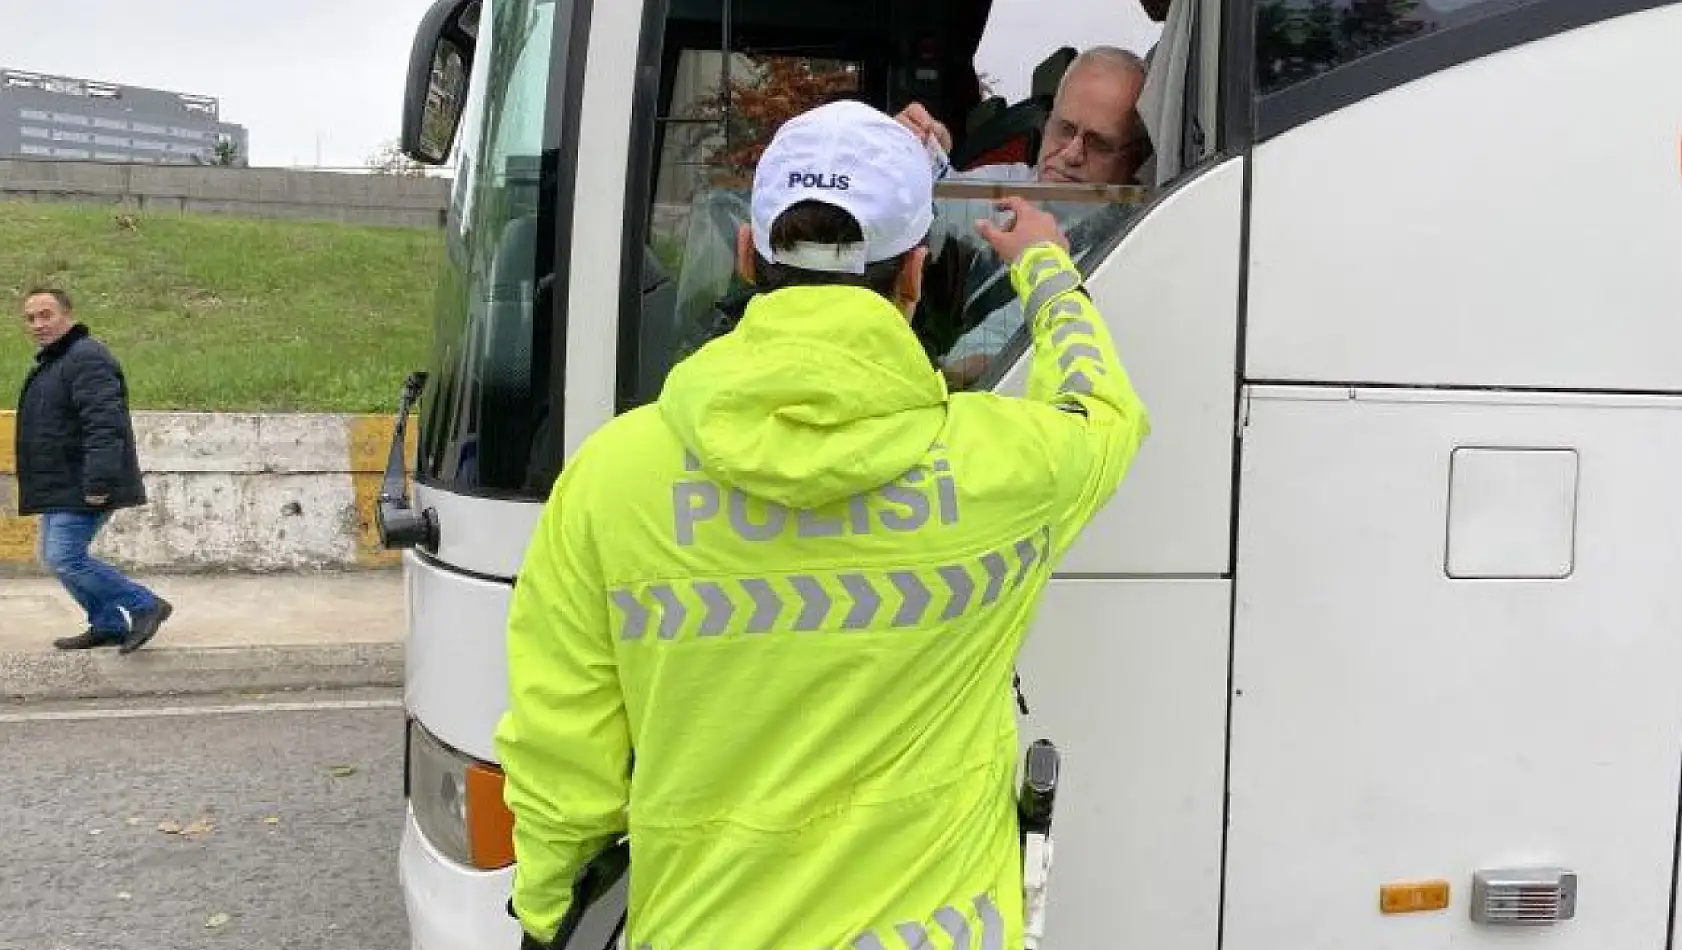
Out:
{"x": 488, "y": 400}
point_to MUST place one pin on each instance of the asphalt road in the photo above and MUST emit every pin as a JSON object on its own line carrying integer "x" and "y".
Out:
{"x": 131, "y": 827}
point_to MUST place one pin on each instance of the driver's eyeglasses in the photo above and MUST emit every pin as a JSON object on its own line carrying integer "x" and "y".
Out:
{"x": 1062, "y": 130}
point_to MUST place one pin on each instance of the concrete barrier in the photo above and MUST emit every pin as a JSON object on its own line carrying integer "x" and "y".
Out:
{"x": 247, "y": 192}
{"x": 235, "y": 492}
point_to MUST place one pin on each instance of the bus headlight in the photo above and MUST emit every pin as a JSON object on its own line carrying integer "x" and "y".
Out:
{"x": 458, "y": 803}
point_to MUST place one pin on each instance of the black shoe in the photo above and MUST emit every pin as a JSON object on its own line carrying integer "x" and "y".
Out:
{"x": 90, "y": 639}
{"x": 143, "y": 626}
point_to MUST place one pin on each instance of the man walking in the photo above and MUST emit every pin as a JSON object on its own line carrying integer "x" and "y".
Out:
{"x": 790, "y": 595}
{"x": 76, "y": 464}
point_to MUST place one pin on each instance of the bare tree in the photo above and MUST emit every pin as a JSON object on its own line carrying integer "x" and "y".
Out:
{"x": 389, "y": 159}
{"x": 224, "y": 153}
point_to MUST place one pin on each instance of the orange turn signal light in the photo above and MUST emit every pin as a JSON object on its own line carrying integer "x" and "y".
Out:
{"x": 1413, "y": 897}
{"x": 490, "y": 825}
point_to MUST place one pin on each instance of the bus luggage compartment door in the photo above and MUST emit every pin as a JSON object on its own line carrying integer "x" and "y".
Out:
{"x": 1455, "y": 655}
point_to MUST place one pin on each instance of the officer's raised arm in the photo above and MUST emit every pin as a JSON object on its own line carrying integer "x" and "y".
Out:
{"x": 1075, "y": 364}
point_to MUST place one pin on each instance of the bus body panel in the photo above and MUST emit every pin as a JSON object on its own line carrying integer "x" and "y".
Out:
{"x": 1512, "y": 221}
{"x": 1392, "y": 722}
{"x": 455, "y": 674}
{"x": 450, "y": 907}
{"x": 1169, "y": 293}
{"x": 484, "y": 536}
{"x": 1129, "y": 678}
{"x": 599, "y": 217}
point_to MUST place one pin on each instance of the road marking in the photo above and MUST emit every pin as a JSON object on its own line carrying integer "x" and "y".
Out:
{"x": 232, "y": 709}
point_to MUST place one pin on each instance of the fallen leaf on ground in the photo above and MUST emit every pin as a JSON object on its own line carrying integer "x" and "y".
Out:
{"x": 133, "y": 821}
{"x": 215, "y": 920}
{"x": 272, "y": 820}
{"x": 340, "y": 771}
{"x": 199, "y": 827}
{"x": 124, "y": 896}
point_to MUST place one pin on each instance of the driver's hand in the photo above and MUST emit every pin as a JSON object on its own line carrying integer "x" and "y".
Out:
{"x": 960, "y": 373}
{"x": 917, "y": 119}
{"x": 1028, "y": 226}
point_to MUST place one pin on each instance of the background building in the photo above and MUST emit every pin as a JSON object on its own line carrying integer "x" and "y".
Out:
{"x": 57, "y": 117}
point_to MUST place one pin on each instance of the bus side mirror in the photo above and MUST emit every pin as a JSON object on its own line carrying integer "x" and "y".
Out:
{"x": 440, "y": 63}
{"x": 400, "y": 526}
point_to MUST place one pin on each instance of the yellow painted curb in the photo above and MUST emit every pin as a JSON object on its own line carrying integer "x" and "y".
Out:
{"x": 369, "y": 439}
{"x": 8, "y": 443}
{"x": 17, "y": 535}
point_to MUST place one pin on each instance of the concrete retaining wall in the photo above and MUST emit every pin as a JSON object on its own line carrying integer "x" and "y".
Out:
{"x": 248, "y": 192}
{"x": 235, "y": 492}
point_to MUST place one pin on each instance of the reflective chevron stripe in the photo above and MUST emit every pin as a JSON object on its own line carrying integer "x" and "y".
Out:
{"x": 719, "y": 608}
{"x": 1051, "y": 288}
{"x": 992, "y": 925}
{"x": 915, "y": 937}
{"x": 851, "y": 600}
{"x": 1078, "y": 352}
{"x": 672, "y": 611}
{"x": 962, "y": 586}
{"x": 914, "y": 596}
{"x": 1045, "y": 265}
{"x": 815, "y": 600}
{"x": 636, "y": 615}
{"x": 954, "y": 923}
{"x": 996, "y": 567}
{"x": 1050, "y": 281}
{"x": 1069, "y": 319}
{"x": 1069, "y": 329}
{"x": 956, "y": 926}
{"x": 766, "y": 604}
{"x": 1027, "y": 553}
{"x": 865, "y": 602}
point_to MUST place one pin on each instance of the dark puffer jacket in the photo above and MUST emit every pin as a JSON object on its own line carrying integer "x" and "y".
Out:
{"x": 74, "y": 434}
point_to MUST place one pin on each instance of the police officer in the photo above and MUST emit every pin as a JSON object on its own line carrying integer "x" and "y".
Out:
{"x": 793, "y": 590}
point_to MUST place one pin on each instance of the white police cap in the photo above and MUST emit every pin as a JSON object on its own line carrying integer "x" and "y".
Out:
{"x": 856, "y": 158}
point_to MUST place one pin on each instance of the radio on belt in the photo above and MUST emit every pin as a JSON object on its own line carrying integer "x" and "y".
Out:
{"x": 1034, "y": 808}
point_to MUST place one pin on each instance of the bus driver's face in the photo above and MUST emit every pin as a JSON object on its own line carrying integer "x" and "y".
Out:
{"x": 1093, "y": 135}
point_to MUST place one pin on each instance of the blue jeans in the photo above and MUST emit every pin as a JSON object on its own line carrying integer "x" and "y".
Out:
{"x": 100, "y": 588}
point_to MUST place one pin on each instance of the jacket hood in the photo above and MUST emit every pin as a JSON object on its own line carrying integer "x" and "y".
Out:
{"x": 819, "y": 393}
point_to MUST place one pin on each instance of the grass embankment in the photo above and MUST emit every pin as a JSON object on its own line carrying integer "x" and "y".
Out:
{"x": 228, "y": 314}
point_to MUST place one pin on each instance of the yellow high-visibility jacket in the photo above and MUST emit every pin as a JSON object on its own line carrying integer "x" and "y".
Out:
{"x": 795, "y": 588}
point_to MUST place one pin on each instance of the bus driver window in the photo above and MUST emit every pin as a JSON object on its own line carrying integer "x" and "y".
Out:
{"x": 1073, "y": 141}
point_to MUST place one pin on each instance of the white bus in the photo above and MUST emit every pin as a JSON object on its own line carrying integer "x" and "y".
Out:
{"x": 1379, "y": 646}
